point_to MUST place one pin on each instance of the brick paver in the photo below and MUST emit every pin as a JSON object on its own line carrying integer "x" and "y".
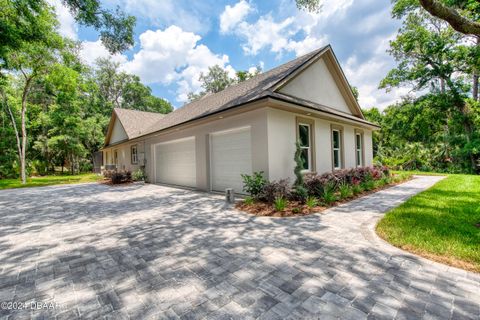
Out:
{"x": 135, "y": 252}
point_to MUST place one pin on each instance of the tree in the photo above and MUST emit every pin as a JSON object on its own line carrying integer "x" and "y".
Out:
{"x": 462, "y": 15}
{"x": 218, "y": 79}
{"x": 431, "y": 55}
{"x": 26, "y": 21}
{"x": 118, "y": 89}
{"x": 31, "y": 60}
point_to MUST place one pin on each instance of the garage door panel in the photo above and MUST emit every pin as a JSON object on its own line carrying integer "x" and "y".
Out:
{"x": 230, "y": 157}
{"x": 175, "y": 163}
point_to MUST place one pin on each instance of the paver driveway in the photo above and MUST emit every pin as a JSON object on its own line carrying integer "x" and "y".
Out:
{"x": 153, "y": 252}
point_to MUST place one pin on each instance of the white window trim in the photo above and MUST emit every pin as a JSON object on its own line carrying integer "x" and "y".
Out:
{"x": 359, "y": 149}
{"x": 309, "y": 148}
{"x": 339, "y": 149}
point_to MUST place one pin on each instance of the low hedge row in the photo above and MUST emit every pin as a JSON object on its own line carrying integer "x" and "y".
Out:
{"x": 328, "y": 186}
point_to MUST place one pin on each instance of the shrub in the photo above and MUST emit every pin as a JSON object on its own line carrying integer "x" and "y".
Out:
{"x": 275, "y": 189}
{"x": 254, "y": 184}
{"x": 280, "y": 203}
{"x": 296, "y": 210}
{"x": 118, "y": 177}
{"x": 138, "y": 175}
{"x": 298, "y": 165}
{"x": 311, "y": 202}
{"x": 248, "y": 200}
{"x": 328, "y": 195}
{"x": 345, "y": 190}
{"x": 107, "y": 174}
{"x": 300, "y": 193}
{"x": 368, "y": 184}
{"x": 357, "y": 188}
{"x": 315, "y": 184}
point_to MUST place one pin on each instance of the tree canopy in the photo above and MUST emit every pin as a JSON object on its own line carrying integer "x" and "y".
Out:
{"x": 217, "y": 79}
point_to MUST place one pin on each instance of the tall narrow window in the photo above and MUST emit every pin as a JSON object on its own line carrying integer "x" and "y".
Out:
{"x": 115, "y": 157}
{"x": 305, "y": 144}
{"x": 359, "y": 149}
{"x": 337, "y": 149}
{"x": 134, "y": 153}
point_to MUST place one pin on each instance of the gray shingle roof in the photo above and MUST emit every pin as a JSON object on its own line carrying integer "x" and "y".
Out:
{"x": 243, "y": 92}
{"x": 250, "y": 90}
{"x": 134, "y": 121}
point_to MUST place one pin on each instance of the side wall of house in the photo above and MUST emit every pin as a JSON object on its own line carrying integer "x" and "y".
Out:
{"x": 256, "y": 120}
{"x": 282, "y": 133}
{"x": 124, "y": 155}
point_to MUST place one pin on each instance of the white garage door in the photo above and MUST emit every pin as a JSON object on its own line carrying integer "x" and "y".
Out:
{"x": 175, "y": 163}
{"x": 230, "y": 156}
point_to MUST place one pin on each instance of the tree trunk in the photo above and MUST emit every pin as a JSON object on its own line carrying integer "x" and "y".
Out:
{"x": 26, "y": 89}
{"x": 14, "y": 124}
{"x": 475, "y": 78}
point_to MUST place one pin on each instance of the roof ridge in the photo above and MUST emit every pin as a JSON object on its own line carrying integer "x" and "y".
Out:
{"x": 260, "y": 75}
{"x": 136, "y": 110}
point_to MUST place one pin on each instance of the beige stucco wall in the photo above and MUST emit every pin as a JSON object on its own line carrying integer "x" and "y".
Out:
{"x": 118, "y": 133}
{"x": 256, "y": 119}
{"x": 124, "y": 155}
{"x": 317, "y": 84}
{"x": 281, "y": 144}
{"x": 273, "y": 134}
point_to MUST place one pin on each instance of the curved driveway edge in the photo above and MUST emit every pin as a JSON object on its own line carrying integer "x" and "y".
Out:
{"x": 141, "y": 252}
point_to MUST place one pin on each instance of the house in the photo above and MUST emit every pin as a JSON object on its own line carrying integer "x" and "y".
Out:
{"x": 251, "y": 126}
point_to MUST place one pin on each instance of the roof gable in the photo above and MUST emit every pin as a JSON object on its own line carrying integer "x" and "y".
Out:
{"x": 322, "y": 81}
{"x": 126, "y": 124}
{"x": 118, "y": 132}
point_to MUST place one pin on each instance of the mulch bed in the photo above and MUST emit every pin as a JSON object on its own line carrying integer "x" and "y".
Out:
{"x": 295, "y": 208}
{"x": 263, "y": 209}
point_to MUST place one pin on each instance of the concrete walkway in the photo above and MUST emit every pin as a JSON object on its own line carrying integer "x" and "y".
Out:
{"x": 139, "y": 252}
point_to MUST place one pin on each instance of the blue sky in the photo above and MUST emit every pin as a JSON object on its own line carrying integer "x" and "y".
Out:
{"x": 175, "y": 40}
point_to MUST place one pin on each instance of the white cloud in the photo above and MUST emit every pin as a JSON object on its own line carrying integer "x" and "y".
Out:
{"x": 92, "y": 50}
{"x": 277, "y": 36}
{"x": 366, "y": 75}
{"x": 68, "y": 27}
{"x": 172, "y": 55}
{"x": 231, "y": 16}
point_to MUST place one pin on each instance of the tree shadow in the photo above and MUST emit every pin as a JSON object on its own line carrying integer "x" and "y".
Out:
{"x": 162, "y": 252}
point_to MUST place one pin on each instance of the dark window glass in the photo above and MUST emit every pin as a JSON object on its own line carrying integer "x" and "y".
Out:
{"x": 336, "y": 139}
{"x": 304, "y": 135}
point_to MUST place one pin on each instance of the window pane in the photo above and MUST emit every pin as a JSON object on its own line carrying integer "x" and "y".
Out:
{"x": 336, "y": 139}
{"x": 306, "y": 159}
{"x": 304, "y": 135}
{"x": 336, "y": 158}
{"x": 359, "y": 158}
{"x": 358, "y": 141}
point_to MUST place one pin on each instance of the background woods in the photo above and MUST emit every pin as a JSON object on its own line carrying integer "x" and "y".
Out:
{"x": 54, "y": 109}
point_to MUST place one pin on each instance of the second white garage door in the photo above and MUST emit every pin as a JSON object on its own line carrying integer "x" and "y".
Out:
{"x": 230, "y": 156}
{"x": 175, "y": 162}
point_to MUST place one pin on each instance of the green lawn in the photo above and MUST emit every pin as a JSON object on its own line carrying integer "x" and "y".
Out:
{"x": 421, "y": 173}
{"x": 49, "y": 180}
{"x": 442, "y": 223}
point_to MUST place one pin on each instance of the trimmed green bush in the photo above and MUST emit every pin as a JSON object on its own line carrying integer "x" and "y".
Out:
{"x": 254, "y": 184}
